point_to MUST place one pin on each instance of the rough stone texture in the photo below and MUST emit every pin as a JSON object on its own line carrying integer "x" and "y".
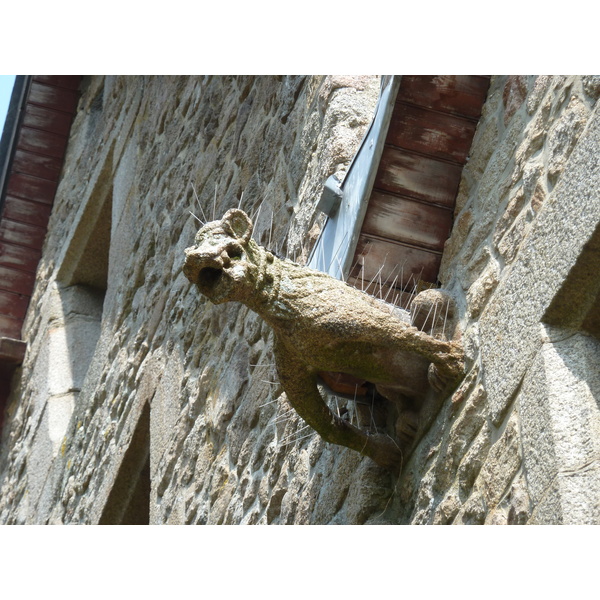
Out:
{"x": 322, "y": 324}
{"x": 216, "y": 453}
{"x": 190, "y": 387}
{"x": 561, "y": 418}
{"x": 530, "y": 184}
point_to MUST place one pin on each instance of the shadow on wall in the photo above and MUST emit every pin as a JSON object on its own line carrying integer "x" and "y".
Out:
{"x": 560, "y": 401}
{"x": 129, "y": 499}
{"x": 81, "y": 289}
{"x": 73, "y": 330}
{"x": 65, "y": 355}
{"x": 577, "y": 304}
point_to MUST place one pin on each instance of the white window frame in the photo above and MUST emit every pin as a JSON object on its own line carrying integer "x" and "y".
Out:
{"x": 336, "y": 245}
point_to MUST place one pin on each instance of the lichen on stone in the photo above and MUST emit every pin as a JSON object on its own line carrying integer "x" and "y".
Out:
{"x": 321, "y": 324}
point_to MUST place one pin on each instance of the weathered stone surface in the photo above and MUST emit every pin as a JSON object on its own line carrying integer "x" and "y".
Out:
{"x": 473, "y": 461}
{"x": 272, "y": 139}
{"x": 486, "y": 137}
{"x": 320, "y": 324}
{"x": 501, "y": 465}
{"x": 561, "y": 426}
{"x": 591, "y": 85}
{"x": 515, "y": 507}
{"x": 461, "y": 228}
{"x": 447, "y": 509}
{"x": 538, "y": 197}
{"x": 473, "y": 511}
{"x": 515, "y": 91}
{"x": 508, "y": 246}
{"x": 515, "y": 444}
{"x": 518, "y": 502}
{"x": 563, "y": 135}
{"x": 494, "y": 181}
{"x": 514, "y": 207}
{"x": 480, "y": 292}
{"x": 540, "y": 87}
{"x": 535, "y": 137}
{"x": 509, "y": 326}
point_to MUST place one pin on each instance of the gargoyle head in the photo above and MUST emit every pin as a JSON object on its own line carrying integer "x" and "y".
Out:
{"x": 220, "y": 262}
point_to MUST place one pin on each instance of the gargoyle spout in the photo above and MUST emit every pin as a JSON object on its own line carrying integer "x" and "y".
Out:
{"x": 323, "y": 325}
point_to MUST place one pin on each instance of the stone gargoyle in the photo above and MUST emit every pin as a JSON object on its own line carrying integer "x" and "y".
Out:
{"x": 321, "y": 324}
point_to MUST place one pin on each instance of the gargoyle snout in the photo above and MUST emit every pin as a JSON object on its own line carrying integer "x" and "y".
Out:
{"x": 196, "y": 261}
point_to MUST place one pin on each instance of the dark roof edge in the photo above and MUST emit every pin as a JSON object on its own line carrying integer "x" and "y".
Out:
{"x": 14, "y": 118}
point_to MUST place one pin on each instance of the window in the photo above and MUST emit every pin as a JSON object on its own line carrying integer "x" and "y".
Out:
{"x": 347, "y": 207}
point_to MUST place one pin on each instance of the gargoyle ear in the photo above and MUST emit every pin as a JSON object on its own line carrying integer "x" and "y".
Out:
{"x": 239, "y": 223}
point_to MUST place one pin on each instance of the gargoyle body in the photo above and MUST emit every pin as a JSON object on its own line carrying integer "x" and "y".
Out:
{"x": 321, "y": 324}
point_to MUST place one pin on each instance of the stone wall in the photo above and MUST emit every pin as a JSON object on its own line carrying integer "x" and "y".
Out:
{"x": 190, "y": 383}
{"x": 518, "y": 428}
{"x": 137, "y": 392}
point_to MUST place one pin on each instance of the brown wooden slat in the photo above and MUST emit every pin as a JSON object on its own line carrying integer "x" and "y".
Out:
{"x": 22, "y": 234}
{"x": 460, "y": 94}
{"x": 407, "y": 221}
{"x": 47, "y": 119}
{"x": 12, "y": 351}
{"x": 26, "y": 211}
{"x": 52, "y": 97}
{"x": 67, "y": 81}
{"x": 42, "y": 142}
{"x": 16, "y": 281}
{"x": 440, "y": 135}
{"x": 25, "y": 259}
{"x": 10, "y": 328}
{"x": 409, "y": 215}
{"x": 31, "y": 188}
{"x": 393, "y": 260}
{"x": 30, "y": 163}
{"x": 418, "y": 177}
{"x": 13, "y": 305}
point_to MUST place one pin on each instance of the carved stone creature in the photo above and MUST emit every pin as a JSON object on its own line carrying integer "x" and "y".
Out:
{"x": 321, "y": 324}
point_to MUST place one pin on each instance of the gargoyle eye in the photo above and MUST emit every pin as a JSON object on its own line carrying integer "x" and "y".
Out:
{"x": 234, "y": 253}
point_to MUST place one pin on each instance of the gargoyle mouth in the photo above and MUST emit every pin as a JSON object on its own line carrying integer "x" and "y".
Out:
{"x": 215, "y": 283}
{"x": 209, "y": 277}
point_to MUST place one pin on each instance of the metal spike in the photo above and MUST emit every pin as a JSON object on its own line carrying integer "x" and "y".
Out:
{"x": 198, "y": 201}
{"x": 197, "y": 219}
